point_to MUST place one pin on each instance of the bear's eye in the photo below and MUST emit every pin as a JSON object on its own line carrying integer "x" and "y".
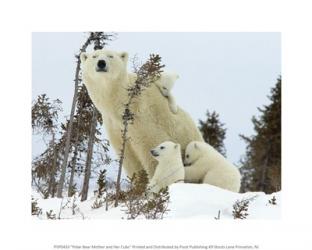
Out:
{"x": 164, "y": 87}
{"x": 187, "y": 156}
{"x": 95, "y": 56}
{"x": 110, "y": 56}
{"x": 162, "y": 147}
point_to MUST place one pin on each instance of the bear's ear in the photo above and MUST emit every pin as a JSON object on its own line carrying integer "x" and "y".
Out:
{"x": 83, "y": 56}
{"x": 124, "y": 56}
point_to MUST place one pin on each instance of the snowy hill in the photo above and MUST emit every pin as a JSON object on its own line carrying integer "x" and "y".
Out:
{"x": 204, "y": 201}
{"x": 187, "y": 201}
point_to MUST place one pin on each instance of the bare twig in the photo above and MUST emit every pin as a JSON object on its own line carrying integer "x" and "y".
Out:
{"x": 81, "y": 213}
{"x": 219, "y": 214}
{"x": 273, "y": 200}
{"x": 61, "y": 208}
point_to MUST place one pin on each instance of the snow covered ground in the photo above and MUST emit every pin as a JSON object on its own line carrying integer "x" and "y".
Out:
{"x": 187, "y": 201}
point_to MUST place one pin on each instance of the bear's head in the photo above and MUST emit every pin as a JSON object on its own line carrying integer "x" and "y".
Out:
{"x": 166, "y": 150}
{"x": 104, "y": 65}
{"x": 193, "y": 152}
{"x": 168, "y": 79}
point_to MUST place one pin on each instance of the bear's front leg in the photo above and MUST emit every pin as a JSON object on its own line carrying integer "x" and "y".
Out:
{"x": 172, "y": 104}
{"x": 153, "y": 186}
{"x": 146, "y": 162}
{"x": 131, "y": 162}
{"x": 141, "y": 146}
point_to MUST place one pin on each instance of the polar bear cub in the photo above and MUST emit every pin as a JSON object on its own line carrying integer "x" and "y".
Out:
{"x": 204, "y": 164}
{"x": 170, "y": 168}
{"x": 165, "y": 84}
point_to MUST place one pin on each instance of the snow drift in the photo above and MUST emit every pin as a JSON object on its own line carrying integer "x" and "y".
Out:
{"x": 187, "y": 201}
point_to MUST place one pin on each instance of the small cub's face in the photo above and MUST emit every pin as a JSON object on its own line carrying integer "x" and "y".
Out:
{"x": 168, "y": 80}
{"x": 104, "y": 64}
{"x": 165, "y": 91}
{"x": 192, "y": 153}
{"x": 165, "y": 150}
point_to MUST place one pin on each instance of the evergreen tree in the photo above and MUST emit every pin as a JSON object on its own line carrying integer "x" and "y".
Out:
{"x": 213, "y": 131}
{"x": 98, "y": 39}
{"x": 72, "y": 190}
{"x": 91, "y": 130}
{"x": 45, "y": 120}
{"x": 100, "y": 199}
{"x": 79, "y": 148}
{"x": 44, "y": 169}
{"x": 35, "y": 209}
{"x": 263, "y": 156}
{"x": 86, "y": 135}
{"x": 138, "y": 201}
{"x": 101, "y": 182}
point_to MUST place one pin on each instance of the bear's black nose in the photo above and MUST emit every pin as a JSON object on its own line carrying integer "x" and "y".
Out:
{"x": 154, "y": 153}
{"x": 101, "y": 64}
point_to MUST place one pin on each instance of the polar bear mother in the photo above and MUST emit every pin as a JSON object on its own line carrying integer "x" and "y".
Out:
{"x": 107, "y": 79}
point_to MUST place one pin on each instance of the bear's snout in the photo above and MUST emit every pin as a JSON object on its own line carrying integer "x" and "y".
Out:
{"x": 187, "y": 164}
{"x": 101, "y": 65}
{"x": 154, "y": 153}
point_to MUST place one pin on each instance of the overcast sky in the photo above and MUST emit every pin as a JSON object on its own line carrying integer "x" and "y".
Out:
{"x": 231, "y": 73}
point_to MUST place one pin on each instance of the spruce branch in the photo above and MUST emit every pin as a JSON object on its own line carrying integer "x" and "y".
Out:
{"x": 139, "y": 201}
{"x": 240, "y": 208}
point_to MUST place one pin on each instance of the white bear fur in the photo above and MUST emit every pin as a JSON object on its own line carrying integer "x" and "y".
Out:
{"x": 204, "y": 164}
{"x": 165, "y": 85}
{"x": 170, "y": 168}
{"x": 154, "y": 122}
